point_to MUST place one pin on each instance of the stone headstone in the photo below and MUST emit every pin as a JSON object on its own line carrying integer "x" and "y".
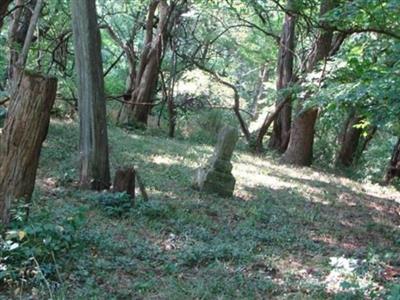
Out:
{"x": 216, "y": 177}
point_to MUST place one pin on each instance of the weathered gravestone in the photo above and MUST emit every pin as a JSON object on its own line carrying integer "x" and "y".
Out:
{"x": 216, "y": 176}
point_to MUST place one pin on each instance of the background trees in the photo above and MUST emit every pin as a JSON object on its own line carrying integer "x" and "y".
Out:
{"x": 331, "y": 60}
{"x": 188, "y": 65}
{"x": 147, "y": 85}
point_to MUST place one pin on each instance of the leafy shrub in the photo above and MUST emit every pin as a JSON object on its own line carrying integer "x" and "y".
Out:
{"x": 113, "y": 204}
{"x": 156, "y": 210}
{"x": 31, "y": 250}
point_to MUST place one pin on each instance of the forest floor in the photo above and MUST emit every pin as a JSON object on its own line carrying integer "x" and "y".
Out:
{"x": 297, "y": 233}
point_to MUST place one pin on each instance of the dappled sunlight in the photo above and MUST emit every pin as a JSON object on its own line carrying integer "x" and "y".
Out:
{"x": 281, "y": 228}
{"x": 165, "y": 160}
{"x": 343, "y": 276}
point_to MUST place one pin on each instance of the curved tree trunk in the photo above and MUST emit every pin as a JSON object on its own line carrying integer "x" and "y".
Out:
{"x": 350, "y": 141}
{"x": 300, "y": 148}
{"x": 281, "y": 130}
{"x": 365, "y": 142}
{"x": 94, "y": 168}
{"x": 21, "y": 141}
{"x": 393, "y": 169}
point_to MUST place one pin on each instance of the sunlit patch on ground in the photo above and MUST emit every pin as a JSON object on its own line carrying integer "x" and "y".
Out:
{"x": 287, "y": 232}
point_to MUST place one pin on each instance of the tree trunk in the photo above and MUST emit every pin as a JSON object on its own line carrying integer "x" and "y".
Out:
{"x": 172, "y": 113}
{"x": 21, "y": 141}
{"x": 94, "y": 162}
{"x": 394, "y": 164}
{"x": 137, "y": 111}
{"x": 302, "y": 139}
{"x": 171, "y": 116}
{"x": 366, "y": 141}
{"x": 281, "y": 130}
{"x": 267, "y": 123}
{"x": 300, "y": 147}
{"x": 20, "y": 21}
{"x": 350, "y": 141}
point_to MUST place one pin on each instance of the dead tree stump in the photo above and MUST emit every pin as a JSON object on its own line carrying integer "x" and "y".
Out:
{"x": 21, "y": 141}
{"x": 124, "y": 181}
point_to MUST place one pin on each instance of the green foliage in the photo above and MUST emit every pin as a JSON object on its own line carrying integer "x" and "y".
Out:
{"x": 274, "y": 239}
{"x": 394, "y": 293}
{"x": 203, "y": 126}
{"x": 33, "y": 251}
{"x": 267, "y": 240}
{"x": 113, "y": 204}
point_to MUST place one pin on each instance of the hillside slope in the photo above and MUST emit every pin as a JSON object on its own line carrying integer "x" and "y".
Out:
{"x": 286, "y": 233}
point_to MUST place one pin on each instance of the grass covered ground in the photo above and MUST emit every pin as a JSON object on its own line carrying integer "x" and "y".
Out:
{"x": 287, "y": 233}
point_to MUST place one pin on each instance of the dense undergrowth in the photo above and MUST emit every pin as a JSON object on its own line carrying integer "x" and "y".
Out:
{"x": 287, "y": 232}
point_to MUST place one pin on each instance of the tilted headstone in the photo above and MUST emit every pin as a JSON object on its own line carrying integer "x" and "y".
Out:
{"x": 216, "y": 176}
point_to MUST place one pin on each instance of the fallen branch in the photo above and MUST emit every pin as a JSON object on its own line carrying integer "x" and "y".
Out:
{"x": 118, "y": 98}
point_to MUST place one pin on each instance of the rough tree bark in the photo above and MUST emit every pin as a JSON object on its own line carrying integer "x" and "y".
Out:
{"x": 393, "y": 169}
{"x": 137, "y": 111}
{"x": 350, "y": 140}
{"x": 21, "y": 141}
{"x": 281, "y": 130}
{"x": 94, "y": 161}
{"x": 301, "y": 142}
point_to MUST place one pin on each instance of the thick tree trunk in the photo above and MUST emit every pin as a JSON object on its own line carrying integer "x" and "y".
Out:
{"x": 283, "y": 113}
{"x": 393, "y": 169}
{"x": 94, "y": 168}
{"x": 350, "y": 141}
{"x": 144, "y": 92}
{"x": 302, "y": 139}
{"x": 137, "y": 111}
{"x": 21, "y": 141}
{"x": 281, "y": 130}
{"x": 300, "y": 147}
{"x": 366, "y": 141}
